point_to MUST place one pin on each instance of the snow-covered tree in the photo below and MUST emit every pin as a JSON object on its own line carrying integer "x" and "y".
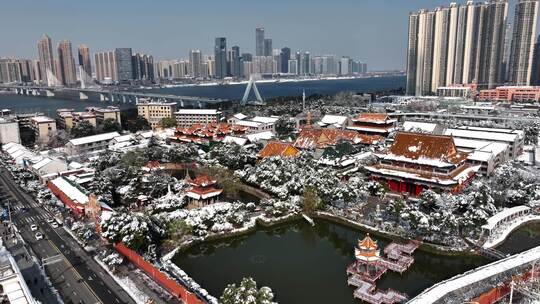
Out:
{"x": 128, "y": 228}
{"x": 232, "y": 156}
{"x": 247, "y": 293}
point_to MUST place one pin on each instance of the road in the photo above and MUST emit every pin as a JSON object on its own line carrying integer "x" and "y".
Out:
{"x": 77, "y": 277}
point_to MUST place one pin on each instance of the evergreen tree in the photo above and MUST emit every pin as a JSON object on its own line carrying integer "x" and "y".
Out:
{"x": 247, "y": 293}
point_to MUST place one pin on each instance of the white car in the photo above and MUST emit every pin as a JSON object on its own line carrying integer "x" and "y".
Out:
{"x": 50, "y": 220}
{"x": 33, "y": 227}
{"x": 54, "y": 224}
{"x": 39, "y": 236}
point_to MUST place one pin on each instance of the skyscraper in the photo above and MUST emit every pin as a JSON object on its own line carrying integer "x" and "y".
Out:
{"x": 267, "y": 47}
{"x": 284, "y": 60}
{"x": 535, "y": 71}
{"x": 220, "y": 54}
{"x": 143, "y": 67}
{"x": 46, "y": 60}
{"x": 124, "y": 69}
{"x": 524, "y": 33}
{"x": 195, "y": 63}
{"x": 84, "y": 60}
{"x": 259, "y": 41}
{"x": 235, "y": 62}
{"x": 456, "y": 44}
{"x": 66, "y": 72}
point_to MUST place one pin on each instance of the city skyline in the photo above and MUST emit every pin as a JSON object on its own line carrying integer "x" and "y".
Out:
{"x": 314, "y": 30}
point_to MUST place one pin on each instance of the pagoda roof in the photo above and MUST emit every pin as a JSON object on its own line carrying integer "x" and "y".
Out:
{"x": 310, "y": 138}
{"x": 277, "y": 148}
{"x": 375, "y": 118}
{"x": 202, "y": 180}
{"x": 426, "y": 149}
{"x": 368, "y": 244}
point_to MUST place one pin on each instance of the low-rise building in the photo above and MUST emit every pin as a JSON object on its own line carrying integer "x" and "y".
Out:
{"x": 9, "y": 131}
{"x": 188, "y": 117}
{"x": 44, "y": 128}
{"x": 416, "y": 162}
{"x": 110, "y": 112}
{"x": 511, "y": 94}
{"x": 68, "y": 119}
{"x": 69, "y": 193}
{"x": 513, "y": 138}
{"x": 90, "y": 144}
{"x": 14, "y": 288}
{"x": 155, "y": 111}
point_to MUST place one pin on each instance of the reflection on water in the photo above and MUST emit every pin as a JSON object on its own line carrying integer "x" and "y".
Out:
{"x": 305, "y": 264}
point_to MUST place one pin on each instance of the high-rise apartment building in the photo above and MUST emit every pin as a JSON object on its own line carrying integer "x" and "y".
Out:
{"x": 66, "y": 72}
{"x": 235, "y": 62}
{"x": 143, "y": 67}
{"x": 521, "y": 52}
{"x": 123, "y": 64}
{"x": 195, "y": 63}
{"x": 535, "y": 71}
{"x": 46, "y": 60}
{"x": 456, "y": 44}
{"x": 105, "y": 63}
{"x": 267, "y": 47}
{"x": 259, "y": 41}
{"x": 85, "y": 63}
{"x": 220, "y": 56}
{"x": 10, "y": 71}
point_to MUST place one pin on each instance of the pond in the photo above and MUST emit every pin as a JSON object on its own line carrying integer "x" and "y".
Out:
{"x": 522, "y": 239}
{"x": 304, "y": 264}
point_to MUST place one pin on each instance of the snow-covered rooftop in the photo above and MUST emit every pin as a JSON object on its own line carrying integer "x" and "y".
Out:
{"x": 197, "y": 112}
{"x": 482, "y": 135}
{"x": 334, "y": 120}
{"x": 255, "y": 137}
{"x": 239, "y": 116}
{"x": 93, "y": 138}
{"x": 71, "y": 191}
{"x": 415, "y": 125}
{"x": 264, "y": 119}
{"x": 237, "y": 140}
{"x": 249, "y": 123}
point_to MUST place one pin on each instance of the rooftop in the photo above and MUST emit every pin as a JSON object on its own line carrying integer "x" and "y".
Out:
{"x": 93, "y": 138}
{"x": 197, "y": 112}
{"x": 277, "y": 148}
{"x": 42, "y": 119}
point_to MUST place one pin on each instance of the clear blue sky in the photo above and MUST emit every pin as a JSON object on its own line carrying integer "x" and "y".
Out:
{"x": 371, "y": 30}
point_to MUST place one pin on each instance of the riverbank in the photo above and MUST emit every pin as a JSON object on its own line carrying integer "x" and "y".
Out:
{"x": 273, "y": 80}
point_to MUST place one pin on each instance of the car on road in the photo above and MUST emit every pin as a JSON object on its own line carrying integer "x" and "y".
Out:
{"x": 50, "y": 220}
{"x": 33, "y": 227}
{"x": 39, "y": 236}
{"x": 54, "y": 224}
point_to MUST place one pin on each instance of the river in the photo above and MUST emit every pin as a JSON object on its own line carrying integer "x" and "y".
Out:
{"x": 304, "y": 264}
{"x": 49, "y": 105}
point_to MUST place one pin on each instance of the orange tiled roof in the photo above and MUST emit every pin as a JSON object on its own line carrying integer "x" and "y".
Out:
{"x": 202, "y": 180}
{"x": 418, "y": 145}
{"x": 277, "y": 148}
{"x": 210, "y": 130}
{"x": 368, "y": 244}
{"x": 322, "y": 138}
{"x": 372, "y": 118}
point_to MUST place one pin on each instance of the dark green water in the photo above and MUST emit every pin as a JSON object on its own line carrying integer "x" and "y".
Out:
{"x": 305, "y": 264}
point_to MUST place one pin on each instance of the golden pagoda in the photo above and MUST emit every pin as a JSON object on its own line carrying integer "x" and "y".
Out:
{"x": 367, "y": 250}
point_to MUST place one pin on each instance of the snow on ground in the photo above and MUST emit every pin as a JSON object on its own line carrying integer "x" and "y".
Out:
{"x": 501, "y": 236}
{"x": 127, "y": 284}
